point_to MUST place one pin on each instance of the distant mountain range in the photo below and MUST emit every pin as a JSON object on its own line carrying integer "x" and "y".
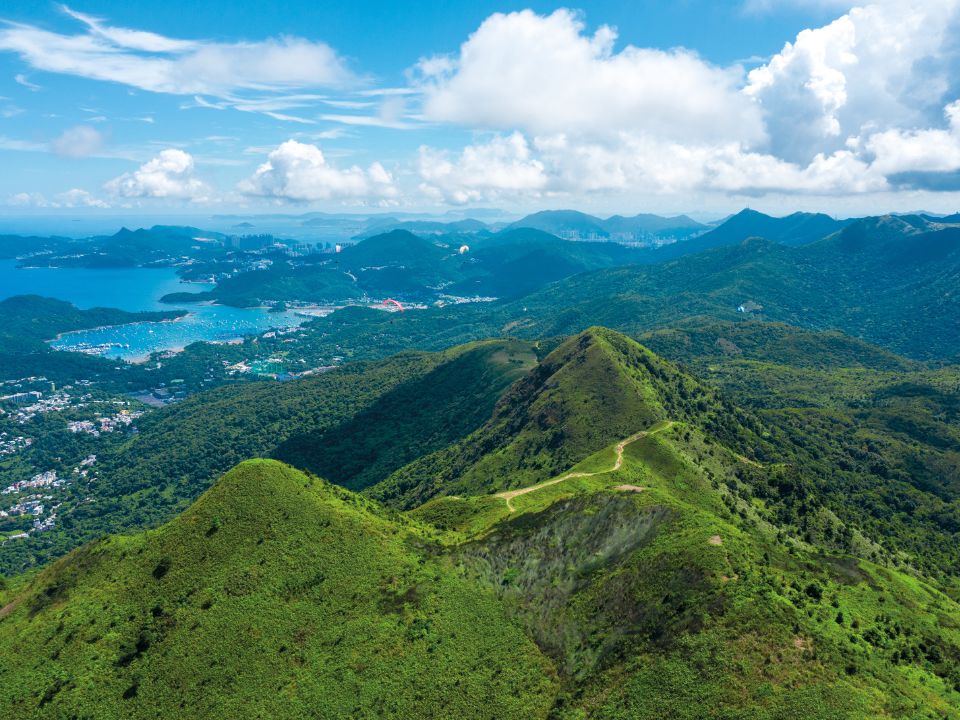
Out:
{"x": 672, "y": 236}
{"x": 574, "y": 225}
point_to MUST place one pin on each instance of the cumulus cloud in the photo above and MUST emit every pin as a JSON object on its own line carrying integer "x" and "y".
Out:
{"x": 482, "y": 171}
{"x": 78, "y": 141}
{"x": 882, "y": 66}
{"x": 27, "y": 199}
{"x": 169, "y": 175}
{"x": 929, "y": 150}
{"x": 299, "y": 172}
{"x": 864, "y": 104}
{"x": 156, "y": 63}
{"x": 507, "y": 168}
{"x": 544, "y": 75}
{"x": 80, "y": 198}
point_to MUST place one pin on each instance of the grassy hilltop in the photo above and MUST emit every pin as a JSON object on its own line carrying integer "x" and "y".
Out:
{"x": 660, "y": 563}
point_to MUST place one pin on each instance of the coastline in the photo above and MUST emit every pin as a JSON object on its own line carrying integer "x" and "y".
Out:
{"x": 183, "y": 315}
{"x": 225, "y": 325}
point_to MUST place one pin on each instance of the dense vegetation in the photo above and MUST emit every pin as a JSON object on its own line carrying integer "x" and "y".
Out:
{"x": 746, "y": 514}
{"x": 274, "y": 595}
{"x": 593, "y": 389}
{"x": 27, "y": 321}
{"x": 357, "y": 415}
{"x": 663, "y": 586}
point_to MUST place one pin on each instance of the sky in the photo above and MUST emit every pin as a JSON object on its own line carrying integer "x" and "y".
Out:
{"x": 609, "y": 107}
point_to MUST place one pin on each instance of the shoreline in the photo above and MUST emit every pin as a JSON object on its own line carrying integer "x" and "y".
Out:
{"x": 292, "y": 317}
{"x": 60, "y": 336}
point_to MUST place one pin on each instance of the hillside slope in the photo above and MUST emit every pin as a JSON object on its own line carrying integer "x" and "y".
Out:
{"x": 414, "y": 419}
{"x": 882, "y": 281}
{"x": 657, "y": 587}
{"x": 797, "y": 229}
{"x": 665, "y": 588}
{"x": 355, "y": 424}
{"x": 274, "y": 595}
{"x": 594, "y": 388}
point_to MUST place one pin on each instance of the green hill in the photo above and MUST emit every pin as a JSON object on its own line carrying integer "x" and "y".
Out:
{"x": 593, "y": 389}
{"x": 653, "y": 581}
{"x": 797, "y": 229}
{"x": 883, "y": 281}
{"x": 274, "y": 595}
{"x": 581, "y": 225}
{"x": 702, "y": 340}
{"x": 355, "y": 424}
{"x": 394, "y": 247}
{"x": 518, "y": 261}
{"x": 559, "y": 221}
{"x": 310, "y": 283}
{"x": 414, "y": 419}
{"x": 664, "y": 588}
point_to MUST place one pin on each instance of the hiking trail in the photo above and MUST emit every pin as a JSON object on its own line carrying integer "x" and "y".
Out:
{"x": 509, "y": 495}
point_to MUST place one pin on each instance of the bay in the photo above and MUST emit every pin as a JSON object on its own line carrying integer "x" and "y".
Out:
{"x": 137, "y": 289}
{"x": 132, "y": 289}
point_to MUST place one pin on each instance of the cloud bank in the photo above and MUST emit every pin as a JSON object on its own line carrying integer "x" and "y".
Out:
{"x": 866, "y": 104}
{"x": 851, "y": 107}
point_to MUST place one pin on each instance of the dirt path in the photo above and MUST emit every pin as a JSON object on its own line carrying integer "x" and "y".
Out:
{"x": 509, "y": 495}
{"x": 9, "y": 607}
{"x": 748, "y": 461}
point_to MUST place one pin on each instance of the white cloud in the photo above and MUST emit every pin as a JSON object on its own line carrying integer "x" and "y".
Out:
{"x": 74, "y": 198}
{"x": 886, "y": 65}
{"x": 932, "y": 150}
{"x": 843, "y": 109}
{"x": 510, "y": 168}
{"x": 79, "y": 141}
{"x": 155, "y": 63}
{"x": 483, "y": 171}
{"x": 27, "y": 199}
{"x": 80, "y": 198}
{"x": 22, "y": 79}
{"x": 130, "y": 39}
{"x": 299, "y": 172}
{"x": 169, "y": 175}
{"x": 545, "y": 75}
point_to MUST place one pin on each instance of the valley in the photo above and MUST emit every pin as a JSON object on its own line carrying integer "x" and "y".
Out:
{"x": 626, "y": 488}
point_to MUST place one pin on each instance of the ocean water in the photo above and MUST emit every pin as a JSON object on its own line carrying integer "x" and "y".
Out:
{"x": 137, "y": 289}
{"x": 136, "y": 341}
{"x": 125, "y": 288}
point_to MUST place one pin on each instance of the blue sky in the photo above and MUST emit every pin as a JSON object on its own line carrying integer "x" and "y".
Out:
{"x": 110, "y": 107}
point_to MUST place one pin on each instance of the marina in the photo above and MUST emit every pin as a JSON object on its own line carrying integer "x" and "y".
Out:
{"x": 139, "y": 289}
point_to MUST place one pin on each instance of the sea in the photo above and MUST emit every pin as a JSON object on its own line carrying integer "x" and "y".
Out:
{"x": 138, "y": 289}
